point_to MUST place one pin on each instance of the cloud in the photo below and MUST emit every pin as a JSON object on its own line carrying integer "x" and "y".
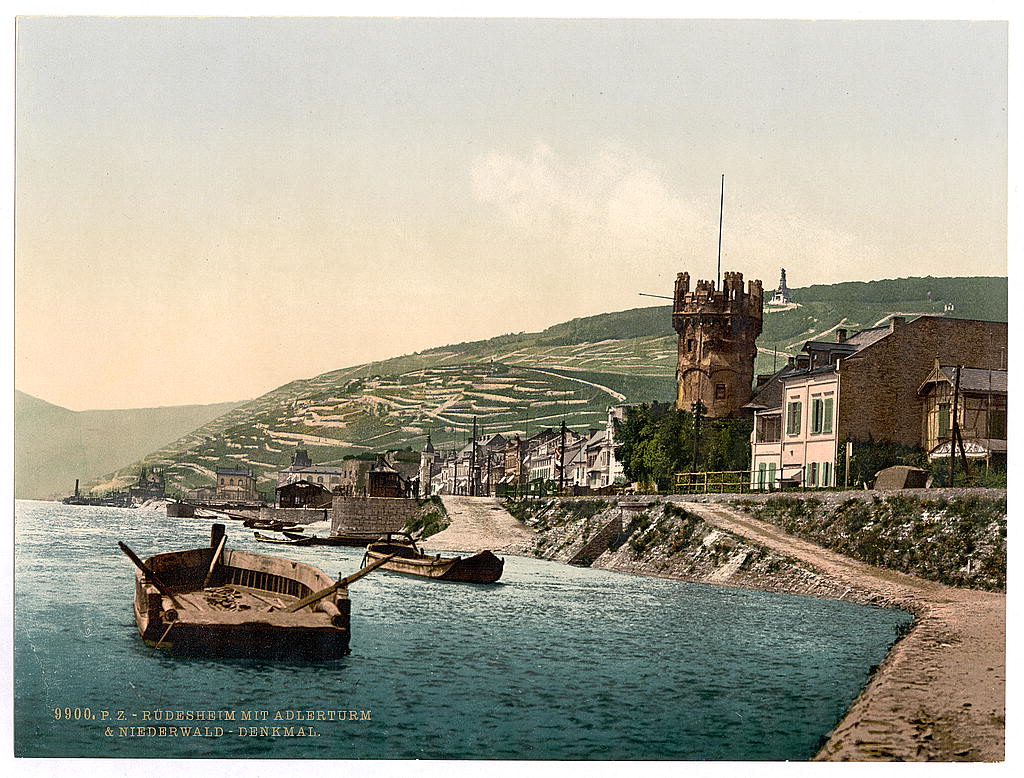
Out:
{"x": 616, "y": 206}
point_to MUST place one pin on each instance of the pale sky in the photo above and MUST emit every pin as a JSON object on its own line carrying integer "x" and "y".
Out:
{"x": 210, "y": 208}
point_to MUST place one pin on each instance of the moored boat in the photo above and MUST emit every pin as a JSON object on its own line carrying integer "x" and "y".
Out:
{"x": 213, "y": 602}
{"x": 299, "y": 540}
{"x": 402, "y": 555}
{"x": 354, "y": 539}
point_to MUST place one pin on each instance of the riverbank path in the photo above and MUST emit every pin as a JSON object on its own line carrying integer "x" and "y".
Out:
{"x": 941, "y": 693}
{"x": 479, "y": 524}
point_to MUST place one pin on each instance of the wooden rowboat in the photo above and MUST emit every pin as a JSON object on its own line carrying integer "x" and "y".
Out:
{"x": 212, "y": 602}
{"x": 300, "y": 540}
{"x": 354, "y": 539}
{"x": 406, "y": 557}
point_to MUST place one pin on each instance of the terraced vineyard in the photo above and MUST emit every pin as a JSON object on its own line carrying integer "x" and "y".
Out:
{"x": 522, "y": 382}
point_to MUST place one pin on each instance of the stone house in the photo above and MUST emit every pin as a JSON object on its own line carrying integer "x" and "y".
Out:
{"x": 865, "y": 387}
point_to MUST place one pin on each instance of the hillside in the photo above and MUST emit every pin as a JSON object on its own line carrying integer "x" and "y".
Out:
{"x": 523, "y": 382}
{"x": 53, "y": 446}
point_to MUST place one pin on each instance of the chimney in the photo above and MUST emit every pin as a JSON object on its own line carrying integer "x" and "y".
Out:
{"x": 840, "y": 335}
{"x": 803, "y": 361}
{"x": 791, "y": 361}
{"x": 896, "y": 322}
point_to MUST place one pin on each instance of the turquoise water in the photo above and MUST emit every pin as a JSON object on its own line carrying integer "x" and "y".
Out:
{"x": 555, "y": 662}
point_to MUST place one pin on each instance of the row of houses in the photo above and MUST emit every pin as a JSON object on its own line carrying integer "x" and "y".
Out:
{"x": 500, "y": 462}
{"x": 907, "y": 383}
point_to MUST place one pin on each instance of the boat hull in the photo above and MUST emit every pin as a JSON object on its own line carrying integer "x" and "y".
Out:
{"x": 482, "y": 568}
{"x": 184, "y": 627}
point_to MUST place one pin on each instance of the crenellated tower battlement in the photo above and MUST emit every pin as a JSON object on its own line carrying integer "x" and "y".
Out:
{"x": 717, "y": 330}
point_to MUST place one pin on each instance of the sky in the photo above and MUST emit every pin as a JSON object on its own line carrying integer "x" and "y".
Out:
{"x": 209, "y": 208}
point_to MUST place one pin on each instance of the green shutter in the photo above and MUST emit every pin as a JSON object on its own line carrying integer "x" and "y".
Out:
{"x": 827, "y": 410}
{"x": 943, "y": 420}
{"x": 793, "y": 418}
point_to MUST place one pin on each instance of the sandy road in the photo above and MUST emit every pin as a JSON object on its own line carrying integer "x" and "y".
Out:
{"x": 940, "y": 695}
{"x": 478, "y": 524}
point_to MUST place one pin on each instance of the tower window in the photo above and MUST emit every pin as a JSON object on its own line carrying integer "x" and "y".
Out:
{"x": 690, "y": 344}
{"x": 719, "y": 391}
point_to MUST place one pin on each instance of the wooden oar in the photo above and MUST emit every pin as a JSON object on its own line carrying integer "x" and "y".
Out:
{"x": 149, "y": 574}
{"x": 213, "y": 562}
{"x": 339, "y": 584}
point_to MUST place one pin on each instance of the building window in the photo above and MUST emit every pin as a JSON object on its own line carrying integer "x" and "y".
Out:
{"x": 997, "y": 424}
{"x": 943, "y": 420}
{"x": 812, "y": 474}
{"x": 821, "y": 416}
{"x": 719, "y": 391}
{"x": 769, "y": 428}
{"x": 793, "y": 413}
{"x": 690, "y": 344}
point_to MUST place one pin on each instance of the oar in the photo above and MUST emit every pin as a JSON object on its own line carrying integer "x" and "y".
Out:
{"x": 339, "y": 584}
{"x": 213, "y": 562}
{"x": 149, "y": 574}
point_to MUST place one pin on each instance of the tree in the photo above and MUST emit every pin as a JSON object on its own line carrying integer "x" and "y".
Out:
{"x": 656, "y": 442}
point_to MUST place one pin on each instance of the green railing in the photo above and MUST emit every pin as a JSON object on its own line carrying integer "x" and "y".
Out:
{"x": 713, "y": 481}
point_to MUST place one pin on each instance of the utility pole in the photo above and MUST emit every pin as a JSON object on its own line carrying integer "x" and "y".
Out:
{"x": 561, "y": 463}
{"x": 954, "y": 428}
{"x": 472, "y": 462}
{"x": 698, "y": 410}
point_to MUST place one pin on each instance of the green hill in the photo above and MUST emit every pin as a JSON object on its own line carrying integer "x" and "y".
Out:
{"x": 53, "y": 446}
{"x": 523, "y": 382}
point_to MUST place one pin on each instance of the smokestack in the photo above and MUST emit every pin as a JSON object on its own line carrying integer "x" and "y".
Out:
{"x": 840, "y": 335}
{"x": 76, "y": 487}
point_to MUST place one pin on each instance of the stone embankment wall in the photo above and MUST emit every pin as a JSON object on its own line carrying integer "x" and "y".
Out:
{"x": 298, "y": 515}
{"x": 661, "y": 539}
{"x": 953, "y": 536}
{"x": 374, "y": 514}
{"x": 658, "y": 536}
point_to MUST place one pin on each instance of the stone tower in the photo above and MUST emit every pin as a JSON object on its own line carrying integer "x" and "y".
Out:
{"x": 717, "y": 331}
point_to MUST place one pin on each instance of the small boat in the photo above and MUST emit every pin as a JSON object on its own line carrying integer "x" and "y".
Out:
{"x": 301, "y": 540}
{"x": 355, "y": 539}
{"x": 272, "y": 525}
{"x": 406, "y": 557}
{"x": 212, "y": 602}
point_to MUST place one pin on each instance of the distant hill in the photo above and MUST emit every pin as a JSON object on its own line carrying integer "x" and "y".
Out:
{"x": 523, "y": 382}
{"x": 53, "y": 446}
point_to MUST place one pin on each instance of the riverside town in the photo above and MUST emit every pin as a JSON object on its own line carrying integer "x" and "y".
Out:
{"x": 551, "y": 390}
{"x": 869, "y": 467}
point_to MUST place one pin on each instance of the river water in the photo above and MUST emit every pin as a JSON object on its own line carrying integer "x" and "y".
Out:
{"x": 555, "y": 662}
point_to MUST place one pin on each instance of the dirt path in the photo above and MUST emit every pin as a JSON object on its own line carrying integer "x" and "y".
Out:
{"x": 617, "y": 395}
{"x": 478, "y": 524}
{"x": 940, "y": 695}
